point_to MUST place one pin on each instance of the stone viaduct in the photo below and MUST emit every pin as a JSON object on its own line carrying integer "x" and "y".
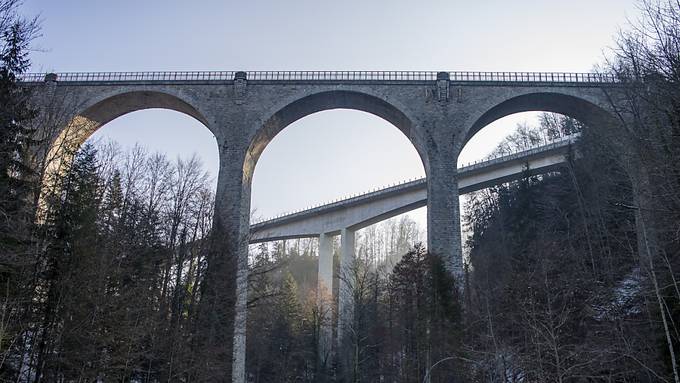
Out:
{"x": 437, "y": 111}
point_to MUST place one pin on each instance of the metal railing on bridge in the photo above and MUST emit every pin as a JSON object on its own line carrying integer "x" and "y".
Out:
{"x": 130, "y": 76}
{"x": 500, "y": 77}
{"x": 543, "y": 77}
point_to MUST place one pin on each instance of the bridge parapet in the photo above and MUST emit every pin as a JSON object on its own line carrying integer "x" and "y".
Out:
{"x": 561, "y": 78}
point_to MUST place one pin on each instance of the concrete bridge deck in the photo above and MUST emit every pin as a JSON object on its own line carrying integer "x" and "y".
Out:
{"x": 357, "y": 212}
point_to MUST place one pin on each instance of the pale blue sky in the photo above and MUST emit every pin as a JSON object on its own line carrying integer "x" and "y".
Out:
{"x": 333, "y": 153}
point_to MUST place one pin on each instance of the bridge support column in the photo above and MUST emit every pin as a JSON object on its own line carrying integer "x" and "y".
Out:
{"x": 346, "y": 300}
{"x": 224, "y": 295}
{"x": 325, "y": 298}
{"x": 443, "y": 213}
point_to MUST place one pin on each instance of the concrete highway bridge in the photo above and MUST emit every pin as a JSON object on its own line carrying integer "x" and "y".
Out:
{"x": 346, "y": 216}
{"x": 437, "y": 111}
{"x": 357, "y": 212}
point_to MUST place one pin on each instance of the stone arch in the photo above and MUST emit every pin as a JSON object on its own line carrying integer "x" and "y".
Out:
{"x": 106, "y": 108}
{"x": 328, "y": 100}
{"x": 114, "y": 106}
{"x": 587, "y": 112}
{"x": 89, "y": 116}
{"x": 109, "y": 107}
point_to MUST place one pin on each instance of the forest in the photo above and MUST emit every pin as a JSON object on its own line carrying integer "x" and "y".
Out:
{"x": 571, "y": 276}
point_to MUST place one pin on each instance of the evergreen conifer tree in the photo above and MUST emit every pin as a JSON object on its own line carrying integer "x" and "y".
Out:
{"x": 15, "y": 133}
